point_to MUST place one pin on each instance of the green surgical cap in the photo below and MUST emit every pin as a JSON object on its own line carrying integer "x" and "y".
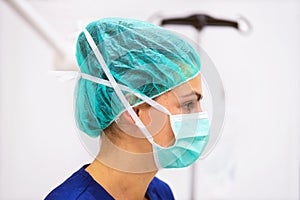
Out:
{"x": 147, "y": 58}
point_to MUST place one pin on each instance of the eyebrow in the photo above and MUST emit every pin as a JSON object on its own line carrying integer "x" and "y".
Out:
{"x": 199, "y": 96}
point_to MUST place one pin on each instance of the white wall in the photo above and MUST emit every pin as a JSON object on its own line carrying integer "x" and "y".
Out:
{"x": 258, "y": 155}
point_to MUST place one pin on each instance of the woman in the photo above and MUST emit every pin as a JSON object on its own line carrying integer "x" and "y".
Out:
{"x": 139, "y": 90}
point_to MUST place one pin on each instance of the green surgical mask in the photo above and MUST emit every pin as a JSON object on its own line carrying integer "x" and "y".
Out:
{"x": 191, "y": 132}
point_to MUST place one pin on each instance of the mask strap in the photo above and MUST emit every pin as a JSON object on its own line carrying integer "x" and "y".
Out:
{"x": 69, "y": 75}
{"x": 116, "y": 87}
{"x": 127, "y": 89}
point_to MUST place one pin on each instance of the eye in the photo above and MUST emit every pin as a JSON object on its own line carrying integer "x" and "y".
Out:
{"x": 190, "y": 106}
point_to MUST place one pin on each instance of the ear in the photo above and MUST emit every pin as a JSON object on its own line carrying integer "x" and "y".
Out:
{"x": 125, "y": 116}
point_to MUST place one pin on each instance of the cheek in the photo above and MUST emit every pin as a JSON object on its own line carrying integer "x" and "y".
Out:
{"x": 165, "y": 137}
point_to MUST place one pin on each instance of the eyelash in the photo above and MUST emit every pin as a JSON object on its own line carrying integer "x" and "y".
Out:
{"x": 191, "y": 104}
{"x": 187, "y": 106}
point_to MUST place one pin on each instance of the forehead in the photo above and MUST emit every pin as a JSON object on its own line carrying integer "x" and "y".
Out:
{"x": 193, "y": 85}
{"x": 173, "y": 96}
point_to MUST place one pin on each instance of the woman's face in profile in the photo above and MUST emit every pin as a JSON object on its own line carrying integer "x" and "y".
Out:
{"x": 184, "y": 99}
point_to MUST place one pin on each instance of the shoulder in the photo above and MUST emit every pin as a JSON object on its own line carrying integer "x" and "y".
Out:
{"x": 158, "y": 189}
{"x": 79, "y": 186}
{"x": 70, "y": 188}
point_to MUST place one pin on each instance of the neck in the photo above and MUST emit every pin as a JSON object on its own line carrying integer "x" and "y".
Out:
{"x": 120, "y": 185}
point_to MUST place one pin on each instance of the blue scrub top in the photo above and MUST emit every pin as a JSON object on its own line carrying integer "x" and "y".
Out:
{"x": 82, "y": 186}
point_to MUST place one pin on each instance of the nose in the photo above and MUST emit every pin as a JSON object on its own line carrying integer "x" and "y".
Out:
{"x": 199, "y": 107}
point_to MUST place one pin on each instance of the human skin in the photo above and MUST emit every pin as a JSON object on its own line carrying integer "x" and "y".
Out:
{"x": 124, "y": 185}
